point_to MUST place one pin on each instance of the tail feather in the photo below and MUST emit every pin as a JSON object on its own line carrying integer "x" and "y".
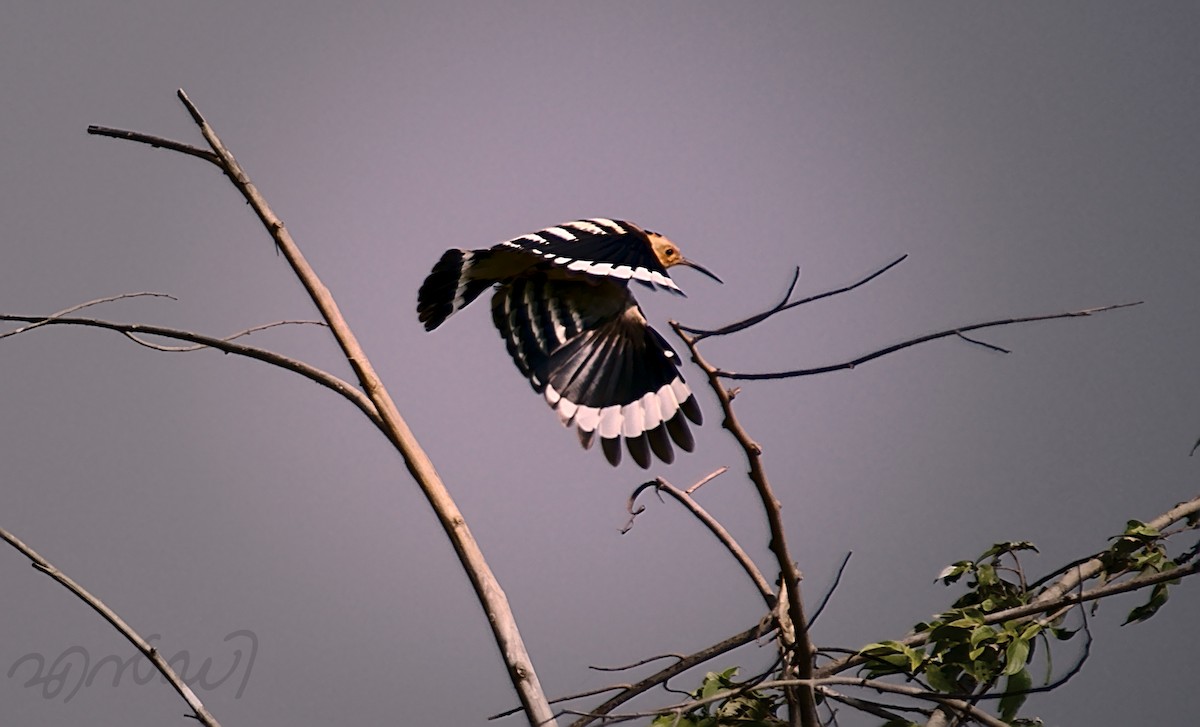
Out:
{"x": 451, "y": 286}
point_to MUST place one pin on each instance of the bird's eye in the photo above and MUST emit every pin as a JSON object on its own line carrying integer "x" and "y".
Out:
{"x": 670, "y": 252}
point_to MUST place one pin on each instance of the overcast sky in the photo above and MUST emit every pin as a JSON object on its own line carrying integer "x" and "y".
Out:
{"x": 1030, "y": 158}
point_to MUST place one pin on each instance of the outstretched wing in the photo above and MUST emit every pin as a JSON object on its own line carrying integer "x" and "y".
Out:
{"x": 586, "y": 347}
{"x": 599, "y": 247}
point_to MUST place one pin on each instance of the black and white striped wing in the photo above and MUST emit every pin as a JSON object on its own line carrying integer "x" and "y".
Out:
{"x": 590, "y": 353}
{"x": 599, "y": 247}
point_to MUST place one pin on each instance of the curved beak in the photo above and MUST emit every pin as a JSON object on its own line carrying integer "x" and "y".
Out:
{"x": 701, "y": 268}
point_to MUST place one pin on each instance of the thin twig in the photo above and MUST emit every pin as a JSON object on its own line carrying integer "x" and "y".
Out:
{"x": 884, "y": 711}
{"x": 560, "y": 700}
{"x": 661, "y": 676}
{"x": 913, "y": 342}
{"x": 707, "y": 478}
{"x": 700, "y": 334}
{"x": 199, "y": 711}
{"x": 719, "y": 531}
{"x": 154, "y": 141}
{"x": 312, "y": 373}
{"x": 837, "y": 579}
{"x": 639, "y": 662}
{"x": 239, "y": 334}
{"x": 985, "y": 344}
{"x": 43, "y": 320}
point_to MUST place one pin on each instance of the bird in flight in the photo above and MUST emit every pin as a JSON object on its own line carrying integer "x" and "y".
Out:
{"x": 573, "y": 328}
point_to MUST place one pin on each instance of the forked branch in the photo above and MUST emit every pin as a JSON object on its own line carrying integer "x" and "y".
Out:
{"x": 786, "y": 304}
{"x": 793, "y": 622}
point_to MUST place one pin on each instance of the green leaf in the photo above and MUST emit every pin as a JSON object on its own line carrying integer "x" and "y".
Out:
{"x": 1014, "y": 696}
{"x": 1137, "y": 528}
{"x": 982, "y": 633}
{"x": 986, "y": 575}
{"x": 1158, "y": 596}
{"x": 1016, "y": 656}
{"x": 941, "y": 680}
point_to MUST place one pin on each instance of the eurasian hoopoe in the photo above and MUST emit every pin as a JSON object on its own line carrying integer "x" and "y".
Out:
{"x": 572, "y": 326}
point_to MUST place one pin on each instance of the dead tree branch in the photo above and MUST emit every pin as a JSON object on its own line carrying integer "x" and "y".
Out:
{"x": 714, "y": 527}
{"x": 44, "y": 320}
{"x": 800, "y": 700}
{"x": 487, "y": 588}
{"x": 199, "y": 711}
{"x": 700, "y": 335}
{"x": 132, "y": 330}
{"x": 157, "y": 142}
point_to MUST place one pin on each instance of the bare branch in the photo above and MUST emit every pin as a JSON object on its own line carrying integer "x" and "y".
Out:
{"x": 239, "y": 334}
{"x": 155, "y": 141}
{"x": 663, "y": 675}
{"x": 43, "y": 320}
{"x": 560, "y": 700}
{"x": 487, "y": 588}
{"x": 639, "y": 662}
{"x": 913, "y": 342}
{"x": 985, "y": 344}
{"x": 707, "y": 478}
{"x": 837, "y": 579}
{"x": 802, "y": 705}
{"x": 309, "y": 372}
{"x": 199, "y": 712}
{"x": 714, "y": 527}
{"x": 883, "y": 711}
{"x": 700, "y": 335}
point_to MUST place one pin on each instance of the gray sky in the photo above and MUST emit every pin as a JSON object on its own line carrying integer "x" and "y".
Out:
{"x": 1030, "y": 159}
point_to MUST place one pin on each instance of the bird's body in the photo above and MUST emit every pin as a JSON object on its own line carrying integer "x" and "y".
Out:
{"x": 573, "y": 328}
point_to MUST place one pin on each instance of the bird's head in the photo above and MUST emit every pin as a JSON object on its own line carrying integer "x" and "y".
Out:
{"x": 668, "y": 254}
